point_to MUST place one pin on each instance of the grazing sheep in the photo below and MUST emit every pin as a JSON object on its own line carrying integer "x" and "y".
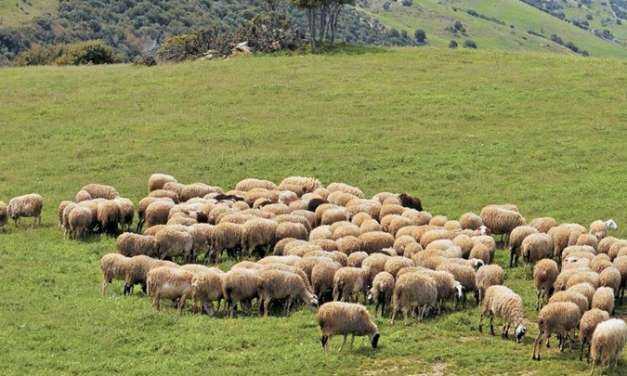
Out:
{"x": 348, "y": 283}
{"x": 174, "y": 243}
{"x": 587, "y": 239}
{"x": 79, "y": 221}
{"x": 543, "y": 224}
{"x": 465, "y": 243}
{"x": 356, "y": 259}
{"x": 252, "y": 183}
{"x": 599, "y": 229}
{"x": 291, "y": 230}
{"x": 278, "y": 284}
{"x": 464, "y": 274}
{"x": 408, "y": 201}
{"x": 240, "y": 286}
{"x": 287, "y": 260}
{"x": 82, "y": 196}
{"x": 62, "y": 206}
{"x": 226, "y": 237}
{"x": 436, "y": 234}
{"x": 322, "y": 276}
{"x": 604, "y": 299}
{"x": 101, "y": 191}
{"x": 374, "y": 264}
{"x": 502, "y": 302}
{"x": 158, "y": 180}
{"x": 600, "y": 262}
{"x": 584, "y": 289}
{"x": 587, "y": 325}
{"x": 570, "y": 296}
{"x": 113, "y": 266}
{"x": 485, "y": 240}
{"x": 170, "y": 283}
{"x": 559, "y": 318}
{"x": 396, "y": 263}
{"x": 535, "y": 247}
{"x": 29, "y": 205}
{"x": 258, "y": 232}
{"x": 487, "y": 276}
{"x": 108, "y": 216}
{"x": 402, "y": 242}
{"x": 299, "y": 185}
{"x": 376, "y": 241}
{"x": 481, "y": 252}
{"x": 608, "y": 341}
{"x": 157, "y": 212}
{"x": 126, "y": 211}
{"x": 342, "y": 187}
{"x": 411, "y": 250}
{"x": 306, "y": 264}
{"x": 370, "y": 225}
{"x": 321, "y": 232}
{"x": 621, "y": 264}
{"x": 438, "y": 220}
{"x": 470, "y": 221}
{"x": 414, "y": 291}
{"x": 381, "y": 291}
{"x": 418, "y": 218}
{"x": 339, "y": 318}
{"x": 388, "y": 209}
{"x": 616, "y": 247}
{"x": 341, "y": 229}
{"x": 139, "y": 266}
{"x": 500, "y": 220}
{"x": 581, "y": 276}
{"x": 611, "y": 277}
{"x": 206, "y": 289}
{"x": 197, "y": 190}
{"x": 360, "y": 218}
{"x": 605, "y": 244}
{"x": 326, "y": 244}
{"x": 545, "y": 273}
{"x": 515, "y": 242}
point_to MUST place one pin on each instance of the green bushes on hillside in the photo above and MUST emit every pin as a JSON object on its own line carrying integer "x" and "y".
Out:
{"x": 89, "y": 52}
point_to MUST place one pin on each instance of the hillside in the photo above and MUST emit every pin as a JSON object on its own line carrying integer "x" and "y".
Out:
{"x": 546, "y": 132}
{"x": 507, "y": 24}
{"x": 19, "y": 12}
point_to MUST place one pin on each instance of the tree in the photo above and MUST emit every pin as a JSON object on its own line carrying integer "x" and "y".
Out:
{"x": 420, "y": 36}
{"x": 322, "y": 18}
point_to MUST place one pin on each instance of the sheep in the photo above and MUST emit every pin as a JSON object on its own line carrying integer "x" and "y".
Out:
{"x": 575, "y": 231}
{"x": 299, "y": 185}
{"x": 600, "y": 262}
{"x": 543, "y": 224}
{"x": 206, "y": 289}
{"x": 226, "y": 236}
{"x": 370, "y": 225}
{"x": 605, "y": 244}
{"x": 464, "y": 274}
{"x": 370, "y": 208}
{"x": 413, "y": 291}
{"x": 436, "y": 234}
{"x": 157, "y": 212}
{"x": 80, "y": 220}
{"x": 382, "y": 196}
{"x": 610, "y": 277}
{"x": 335, "y": 214}
{"x": 359, "y": 218}
{"x": 390, "y": 209}
{"x": 170, "y": 283}
{"x": 101, "y": 191}
{"x": 342, "y": 187}
{"x": 470, "y": 221}
{"x": 559, "y": 318}
{"x": 341, "y": 229}
{"x": 338, "y": 257}
{"x": 599, "y": 228}
{"x": 535, "y": 247}
{"x": 402, "y": 242}
{"x": 587, "y": 239}
{"x": 411, "y": 250}
{"x": 584, "y": 289}
{"x": 348, "y": 283}
{"x": 174, "y": 243}
{"x": 339, "y": 318}
{"x": 240, "y": 286}
{"x": 306, "y": 264}
{"x": 608, "y": 341}
{"x": 82, "y": 196}
{"x": 113, "y": 266}
{"x": 376, "y": 241}
{"x": 322, "y": 276}
{"x": 374, "y": 264}
{"x": 197, "y": 190}
{"x": 381, "y": 291}
{"x": 487, "y": 276}
{"x": 356, "y": 259}
{"x": 465, "y": 243}
{"x": 138, "y": 269}
{"x": 108, "y": 216}
{"x": 418, "y": 218}
{"x": 29, "y": 205}
{"x": 560, "y": 236}
{"x": 587, "y": 325}
{"x": 584, "y": 276}
{"x": 604, "y": 299}
{"x": 396, "y": 223}
{"x": 616, "y": 247}
{"x": 291, "y": 230}
{"x": 292, "y": 269}
{"x": 570, "y": 296}
{"x": 258, "y": 232}
{"x": 287, "y": 260}
{"x": 545, "y": 272}
{"x": 158, "y": 180}
{"x": 481, "y": 252}
{"x": 515, "y": 241}
{"x": 621, "y": 264}
{"x": 396, "y": 263}
{"x": 500, "y": 301}
{"x": 500, "y": 220}
{"x": 296, "y": 249}
{"x": 321, "y": 232}
{"x": 278, "y": 284}
{"x": 249, "y": 184}
{"x": 408, "y": 201}
{"x": 485, "y": 240}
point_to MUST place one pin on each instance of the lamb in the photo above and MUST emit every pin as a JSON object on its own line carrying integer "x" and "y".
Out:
{"x": 79, "y": 221}
{"x": 599, "y": 228}
{"x": 608, "y": 341}
{"x": 376, "y": 241}
{"x": 621, "y": 264}
{"x": 611, "y": 277}
{"x": 559, "y": 318}
{"x": 339, "y": 318}
{"x": 487, "y": 276}
{"x": 587, "y": 325}
{"x": 258, "y": 232}
{"x": 348, "y": 283}
{"x": 502, "y": 302}
{"x": 515, "y": 241}
{"x": 170, "y": 283}
{"x": 500, "y": 220}
{"x": 535, "y": 247}
{"x": 414, "y": 291}
{"x": 543, "y": 224}
{"x": 322, "y": 276}
{"x": 174, "y": 243}
{"x": 381, "y": 291}
{"x": 545, "y": 273}
{"x": 113, "y": 266}
{"x": 29, "y": 205}
{"x": 470, "y": 221}
{"x": 570, "y": 296}
{"x": 277, "y": 284}
{"x": 158, "y": 180}
{"x": 604, "y": 299}
{"x": 240, "y": 286}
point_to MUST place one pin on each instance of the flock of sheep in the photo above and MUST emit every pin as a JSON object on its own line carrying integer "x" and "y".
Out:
{"x": 333, "y": 246}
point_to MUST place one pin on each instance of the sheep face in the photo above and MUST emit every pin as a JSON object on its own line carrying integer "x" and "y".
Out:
{"x": 520, "y": 332}
{"x": 483, "y": 230}
{"x": 611, "y": 225}
{"x": 459, "y": 291}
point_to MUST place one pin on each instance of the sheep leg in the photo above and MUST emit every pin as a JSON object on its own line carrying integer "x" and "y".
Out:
{"x": 583, "y": 346}
{"x": 156, "y": 302}
{"x": 343, "y": 343}
{"x": 505, "y": 331}
{"x": 352, "y": 340}
{"x": 492, "y": 325}
{"x": 405, "y": 316}
{"x": 266, "y": 306}
{"x": 394, "y": 309}
{"x": 537, "y": 345}
{"x": 104, "y": 285}
{"x": 325, "y": 342}
{"x": 182, "y": 303}
{"x": 511, "y": 258}
{"x": 288, "y": 305}
{"x": 481, "y": 323}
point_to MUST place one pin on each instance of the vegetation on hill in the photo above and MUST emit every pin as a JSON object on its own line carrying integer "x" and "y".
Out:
{"x": 543, "y": 131}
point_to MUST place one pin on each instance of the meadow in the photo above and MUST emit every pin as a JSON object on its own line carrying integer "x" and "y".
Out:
{"x": 460, "y": 129}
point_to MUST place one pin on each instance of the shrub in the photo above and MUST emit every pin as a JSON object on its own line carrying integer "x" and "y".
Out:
{"x": 89, "y": 52}
{"x": 458, "y": 26}
{"x": 147, "y": 60}
{"x": 452, "y": 44}
{"x": 407, "y": 3}
{"x": 421, "y": 36}
{"x": 469, "y": 43}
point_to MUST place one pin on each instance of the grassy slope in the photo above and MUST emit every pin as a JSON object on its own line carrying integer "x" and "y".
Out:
{"x": 546, "y": 132}
{"x": 600, "y": 10}
{"x": 435, "y": 16}
{"x": 15, "y": 12}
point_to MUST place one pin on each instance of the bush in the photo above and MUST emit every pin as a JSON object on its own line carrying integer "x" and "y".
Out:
{"x": 147, "y": 60}
{"x": 469, "y": 43}
{"x": 458, "y": 26}
{"x": 90, "y": 52}
{"x": 421, "y": 36}
{"x": 452, "y": 44}
{"x": 407, "y": 3}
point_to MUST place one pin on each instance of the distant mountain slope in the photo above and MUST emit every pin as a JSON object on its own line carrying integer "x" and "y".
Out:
{"x": 503, "y": 24}
{"x": 16, "y": 12}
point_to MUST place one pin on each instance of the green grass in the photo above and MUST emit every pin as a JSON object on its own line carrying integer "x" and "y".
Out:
{"x": 547, "y": 132}
{"x": 16, "y": 12}
{"x": 435, "y": 16}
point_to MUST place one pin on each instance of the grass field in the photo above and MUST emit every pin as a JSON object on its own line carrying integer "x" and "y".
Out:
{"x": 547, "y": 132}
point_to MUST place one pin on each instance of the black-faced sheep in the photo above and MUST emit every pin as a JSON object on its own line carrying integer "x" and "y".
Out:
{"x": 339, "y": 318}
